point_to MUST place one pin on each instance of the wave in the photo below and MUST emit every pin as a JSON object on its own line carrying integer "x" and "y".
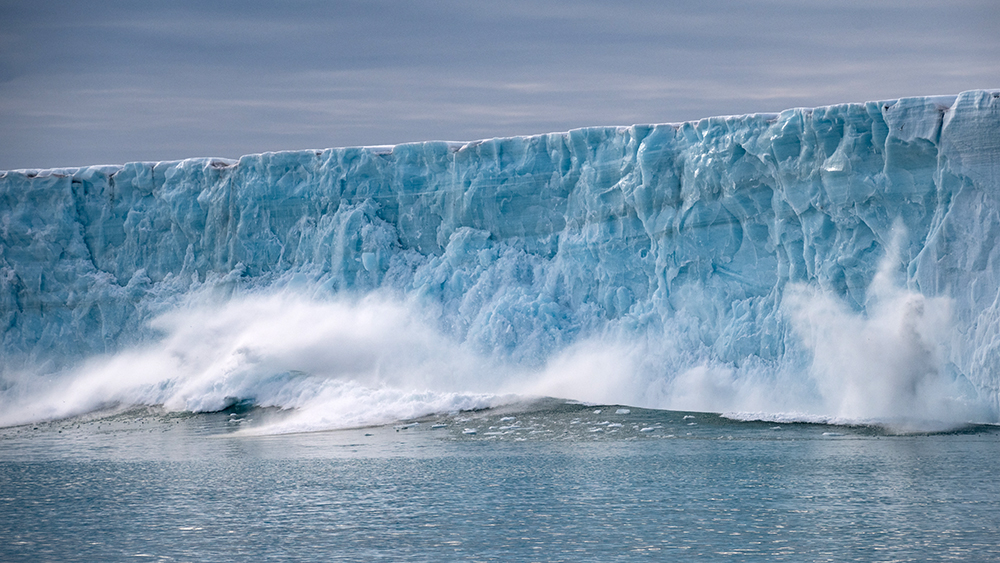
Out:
{"x": 374, "y": 359}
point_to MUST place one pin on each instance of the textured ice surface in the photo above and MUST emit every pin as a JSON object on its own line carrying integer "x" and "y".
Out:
{"x": 729, "y": 250}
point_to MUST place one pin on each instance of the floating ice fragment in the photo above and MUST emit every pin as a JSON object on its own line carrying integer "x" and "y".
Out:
{"x": 622, "y": 411}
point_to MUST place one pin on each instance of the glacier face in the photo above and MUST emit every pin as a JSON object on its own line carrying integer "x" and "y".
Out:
{"x": 752, "y": 247}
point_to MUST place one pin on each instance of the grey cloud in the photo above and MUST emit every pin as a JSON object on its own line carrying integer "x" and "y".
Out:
{"x": 118, "y": 81}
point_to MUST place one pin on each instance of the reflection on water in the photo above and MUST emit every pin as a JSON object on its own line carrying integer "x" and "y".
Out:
{"x": 541, "y": 482}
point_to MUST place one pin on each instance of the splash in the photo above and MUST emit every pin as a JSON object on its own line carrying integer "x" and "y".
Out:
{"x": 360, "y": 362}
{"x": 350, "y": 362}
{"x": 888, "y": 363}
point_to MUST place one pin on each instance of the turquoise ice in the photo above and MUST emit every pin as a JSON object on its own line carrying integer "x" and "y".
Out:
{"x": 728, "y": 238}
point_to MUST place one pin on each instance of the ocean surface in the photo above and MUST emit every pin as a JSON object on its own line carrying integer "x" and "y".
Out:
{"x": 541, "y": 481}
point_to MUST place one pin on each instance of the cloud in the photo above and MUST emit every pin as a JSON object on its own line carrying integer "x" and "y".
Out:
{"x": 148, "y": 81}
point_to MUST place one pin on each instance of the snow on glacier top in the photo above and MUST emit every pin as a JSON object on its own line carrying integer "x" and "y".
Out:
{"x": 943, "y": 101}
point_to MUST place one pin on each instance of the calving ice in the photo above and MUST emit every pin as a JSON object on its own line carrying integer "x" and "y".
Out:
{"x": 835, "y": 264}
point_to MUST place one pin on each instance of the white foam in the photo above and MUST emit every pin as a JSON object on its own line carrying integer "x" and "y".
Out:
{"x": 888, "y": 363}
{"x": 338, "y": 363}
{"x": 347, "y": 362}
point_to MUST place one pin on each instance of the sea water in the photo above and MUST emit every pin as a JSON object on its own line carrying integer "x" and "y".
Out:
{"x": 543, "y": 481}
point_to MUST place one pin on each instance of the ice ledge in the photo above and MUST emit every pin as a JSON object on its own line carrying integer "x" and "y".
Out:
{"x": 943, "y": 102}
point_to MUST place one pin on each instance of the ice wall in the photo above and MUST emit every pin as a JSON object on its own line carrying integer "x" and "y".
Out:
{"x": 702, "y": 235}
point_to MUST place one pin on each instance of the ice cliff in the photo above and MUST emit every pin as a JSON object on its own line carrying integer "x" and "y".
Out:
{"x": 730, "y": 243}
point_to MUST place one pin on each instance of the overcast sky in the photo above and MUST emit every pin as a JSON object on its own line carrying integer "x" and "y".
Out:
{"x": 111, "y": 82}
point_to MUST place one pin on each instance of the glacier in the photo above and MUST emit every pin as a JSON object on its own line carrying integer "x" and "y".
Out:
{"x": 836, "y": 262}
